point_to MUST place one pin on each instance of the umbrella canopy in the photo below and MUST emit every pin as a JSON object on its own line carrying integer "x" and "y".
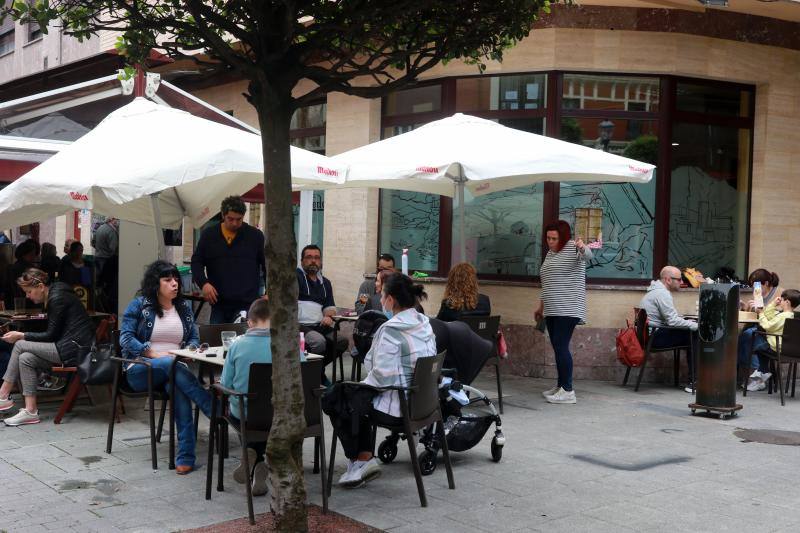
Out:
{"x": 446, "y": 156}
{"x": 488, "y": 156}
{"x": 146, "y": 161}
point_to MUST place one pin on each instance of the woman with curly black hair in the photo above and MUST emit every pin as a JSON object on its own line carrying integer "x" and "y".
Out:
{"x": 156, "y": 321}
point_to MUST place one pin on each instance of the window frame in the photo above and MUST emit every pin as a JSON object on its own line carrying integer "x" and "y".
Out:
{"x": 553, "y": 113}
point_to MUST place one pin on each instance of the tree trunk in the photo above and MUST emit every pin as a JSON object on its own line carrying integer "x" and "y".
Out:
{"x": 285, "y": 445}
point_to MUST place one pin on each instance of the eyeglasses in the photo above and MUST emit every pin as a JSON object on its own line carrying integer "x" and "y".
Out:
{"x": 674, "y": 279}
{"x": 199, "y": 349}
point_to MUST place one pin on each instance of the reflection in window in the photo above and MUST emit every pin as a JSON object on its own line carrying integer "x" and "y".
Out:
{"x": 416, "y": 100}
{"x": 531, "y": 125}
{"x": 6, "y": 35}
{"x": 708, "y": 206}
{"x": 716, "y": 99}
{"x": 311, "y": 116}
{"x": 314, "y": 143}
{"x": 622, "y": 213}
{"x": 501, "y": 93}
{"x": 619, "y": 93}
{"x": 411, "y": 220}
{"x": 503, "y": 231}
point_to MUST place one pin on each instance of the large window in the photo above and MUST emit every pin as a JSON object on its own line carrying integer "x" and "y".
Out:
{"x": 307, "y": 131}
{"x": 7, "y": 35}
{"x": 693, "y": 213}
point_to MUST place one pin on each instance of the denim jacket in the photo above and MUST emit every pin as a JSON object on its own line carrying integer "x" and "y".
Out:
{"x": 137, "y": 326}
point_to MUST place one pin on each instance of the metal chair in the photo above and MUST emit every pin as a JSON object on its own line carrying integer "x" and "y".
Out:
{"x": 121, "y": 387}
{"x": 419, "y": 407}
{"x": 787, "y": 351}
{"x": 256, "y": 421}
{"x": 646, "y": 333}
{"x": 487, "y": 327}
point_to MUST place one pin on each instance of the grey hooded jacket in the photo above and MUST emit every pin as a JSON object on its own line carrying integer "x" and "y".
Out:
{"x": 661, "y": 309}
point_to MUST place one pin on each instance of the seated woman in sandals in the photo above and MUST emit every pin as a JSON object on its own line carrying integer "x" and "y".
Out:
{"x": 397, "y": 345}
{"x": 155, "y": 322}
{"x": 68, "y": 328}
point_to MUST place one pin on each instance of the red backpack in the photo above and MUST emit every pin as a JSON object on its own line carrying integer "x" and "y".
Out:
{"x": 629, "y": 352}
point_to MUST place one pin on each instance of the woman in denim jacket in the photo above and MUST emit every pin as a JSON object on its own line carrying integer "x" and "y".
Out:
{"x": 155, "y": 322}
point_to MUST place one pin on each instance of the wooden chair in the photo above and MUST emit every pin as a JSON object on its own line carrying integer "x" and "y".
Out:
{"x": 487, "y": 327}
{"x": 121, "y": 387}
{"x": 419, "y": 407}
{"x": 645, "y": 333}
{"x": 787, "y": 351}
{"x": 256, "y": 421}
{"x": 74, "y": 386}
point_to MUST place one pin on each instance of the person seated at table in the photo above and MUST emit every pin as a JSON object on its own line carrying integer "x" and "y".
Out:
{"x": 771, "y": 321}
{"x": 49, "y": 261}
{"x": 397, "y": 345}
{"x": 26, "y": 255}
{"x": 316, "y": 307}
{"x": 68, "y": 329}
{"x": 157, "y": 321}
{"x": 461, "y": 296}
{"x": 661, "y": 312}
{"x": 74, "y": 270}
{"x": 368, "y": 290}
{"x": 770, "y": 288}
{"x": 253, "y": 347}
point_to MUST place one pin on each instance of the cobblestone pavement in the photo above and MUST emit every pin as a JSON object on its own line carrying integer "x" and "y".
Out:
{"x": 616, "y": 461}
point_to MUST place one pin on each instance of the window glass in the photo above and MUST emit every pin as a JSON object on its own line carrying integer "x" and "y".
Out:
{"x": 411, "y": 220}
{"x": 416, "y": 100}
{"x": 708, "y": 200}
{"x": 493, "y": 93}
{"x": 503, "y": 231}
{"x": 716, "y": 99}
{"x": 314, "y": 143}
{"x": 317, "y": 218}
{"x": 7, "y": 41}
{"x": 531, "y": 125}
{"x": 620, "y": 217}
{"x": 618, "y": 93}
{"x": 311, "y": 116}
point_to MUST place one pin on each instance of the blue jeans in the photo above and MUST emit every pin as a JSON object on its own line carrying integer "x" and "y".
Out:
{"x": 226, "y": 313}
{"x": 760, "y": 344}
{"x": 187, "y": 390}
{"x": 560, "y": 329}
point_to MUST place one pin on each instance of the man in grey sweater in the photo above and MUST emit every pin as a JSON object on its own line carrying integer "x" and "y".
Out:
{"x": 661, "y": 312}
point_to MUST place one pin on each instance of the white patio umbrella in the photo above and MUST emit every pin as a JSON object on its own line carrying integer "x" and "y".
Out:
{"x": 152, "y": 164}
{"x": 465, "y": 152}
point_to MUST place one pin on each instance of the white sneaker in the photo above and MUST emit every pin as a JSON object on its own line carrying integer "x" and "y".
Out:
{"x": 240, "y": 474}
{"x": 359, "y": 472}
{"x": 260, "y": 479}
{"x": 550, "y": 392}
{"x": 23, "y": 417}
{"x": 6, "y": 404}
{"x": 765, "y": 376}
{"x": 348, "y": 478}
{"x": 562, "y": 396}
{"x": 756, "y": 385}
{"x": 756, "y": 374}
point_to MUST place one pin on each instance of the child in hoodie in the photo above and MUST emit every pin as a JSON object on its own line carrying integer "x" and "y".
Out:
{"x": 770, "y": 320}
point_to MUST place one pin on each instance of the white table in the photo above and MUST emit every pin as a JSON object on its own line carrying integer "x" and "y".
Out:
{"x": 214, "y": 355}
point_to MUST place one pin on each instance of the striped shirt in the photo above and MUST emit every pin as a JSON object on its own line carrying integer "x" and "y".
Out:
{"x": 167, "y": 332}
{"x": 563, "y": 276}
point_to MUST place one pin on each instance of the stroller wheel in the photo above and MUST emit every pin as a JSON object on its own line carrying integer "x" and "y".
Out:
{"x": 497, "y": 450}
{"x": 427, "y": 462}
{"x": 387, "y": 451}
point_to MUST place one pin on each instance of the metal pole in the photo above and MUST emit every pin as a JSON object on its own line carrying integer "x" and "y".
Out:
{"x": 162, "y": 249}
{"x": 462, "y": 245}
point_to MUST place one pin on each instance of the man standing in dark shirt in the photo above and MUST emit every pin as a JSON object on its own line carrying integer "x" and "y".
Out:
{"x": 228, "y": 263}
{"x": 316, "y": 307}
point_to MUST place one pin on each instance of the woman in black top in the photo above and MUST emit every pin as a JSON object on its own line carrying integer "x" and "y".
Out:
{"x": 68, "y": 329}
{"x": 50, "y": 261}
{"x": 26, "y": 255}
{"x": 74, "y": 270}
{"x": 461, "y": 296}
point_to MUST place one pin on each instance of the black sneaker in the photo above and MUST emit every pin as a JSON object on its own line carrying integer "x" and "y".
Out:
{"x": 49, "y": 383}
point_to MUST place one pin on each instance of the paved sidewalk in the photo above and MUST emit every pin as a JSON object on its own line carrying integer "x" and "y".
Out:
{"x": 616, "y": 461}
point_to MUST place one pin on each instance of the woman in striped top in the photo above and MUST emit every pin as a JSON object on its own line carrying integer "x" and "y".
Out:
{"x": 563, "y": 303}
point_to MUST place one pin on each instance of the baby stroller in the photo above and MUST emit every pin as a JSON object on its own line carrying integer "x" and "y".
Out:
{"x": 466, "y": 411}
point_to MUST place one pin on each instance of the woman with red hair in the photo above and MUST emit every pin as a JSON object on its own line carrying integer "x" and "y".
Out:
{"x": 563, "y": 302}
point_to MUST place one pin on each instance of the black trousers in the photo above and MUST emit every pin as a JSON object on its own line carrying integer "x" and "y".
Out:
{"x": 353, "y": 444}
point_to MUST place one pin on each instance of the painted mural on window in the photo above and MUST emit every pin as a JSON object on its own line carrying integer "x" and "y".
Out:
{"x": 413, "y": 223}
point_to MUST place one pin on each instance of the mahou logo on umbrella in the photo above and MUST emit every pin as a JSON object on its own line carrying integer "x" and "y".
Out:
{"x": 79, "y": 196}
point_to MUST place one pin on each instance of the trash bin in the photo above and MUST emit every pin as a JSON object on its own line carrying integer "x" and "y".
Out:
{"x": 718, "y": 332}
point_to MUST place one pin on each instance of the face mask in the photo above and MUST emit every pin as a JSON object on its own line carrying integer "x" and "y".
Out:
{"x": 388, "y": 312}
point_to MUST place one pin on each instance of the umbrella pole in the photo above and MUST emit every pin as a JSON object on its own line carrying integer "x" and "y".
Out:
{"x": 462, "y": 243}
{"x": 162, "y": 249}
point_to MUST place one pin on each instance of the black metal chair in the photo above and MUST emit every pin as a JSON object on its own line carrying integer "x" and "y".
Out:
{"x": 120, "y": 387}
{"x": 487, "y": 327}
{"x": 787, "y": 351}
{"x": 419, "y": 407}
{"x": 256, "y": 421}
{"x": 646, "y": 333}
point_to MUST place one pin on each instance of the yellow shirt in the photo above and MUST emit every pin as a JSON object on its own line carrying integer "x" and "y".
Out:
{"x": 771, "y": 320}
{"x": 229, "y": 235}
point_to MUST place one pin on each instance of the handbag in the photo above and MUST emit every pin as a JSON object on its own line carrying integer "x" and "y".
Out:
{"x": 629, "y": 352}
{"x": 95, "y": 366}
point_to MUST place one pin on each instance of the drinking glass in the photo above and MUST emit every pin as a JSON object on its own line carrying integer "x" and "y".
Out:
{"x": 227, "y": 338}
{"x": 19, "y": 305}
